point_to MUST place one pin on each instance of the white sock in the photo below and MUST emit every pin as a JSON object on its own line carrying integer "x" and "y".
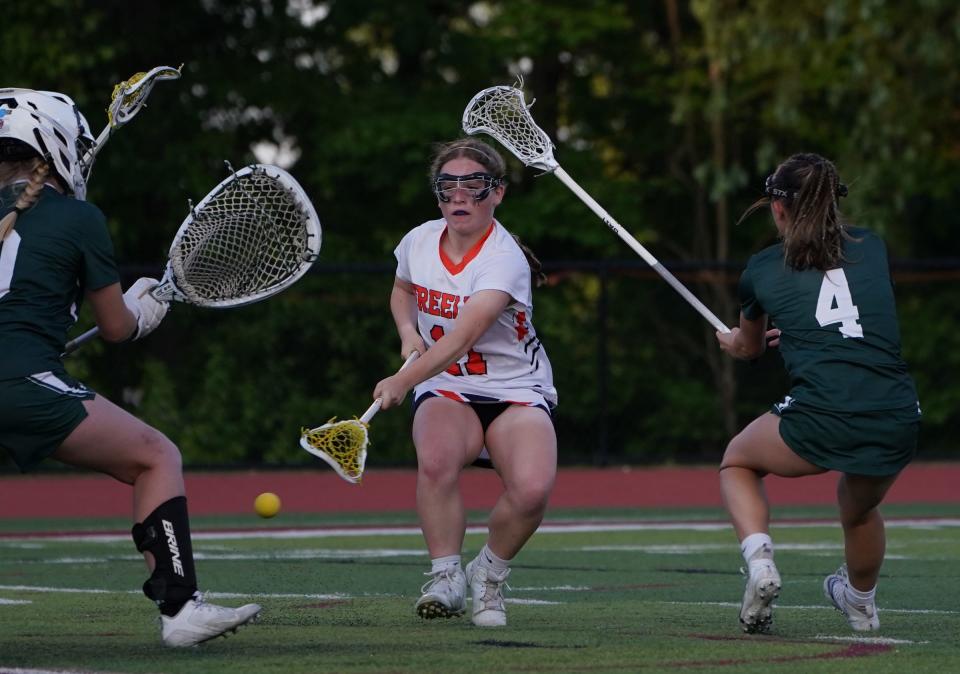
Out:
{"x": 487, "y": 558}
{"x": 759, "y": 545}
{"x": 858, "y": 597}
{"x": 450, "y": 562}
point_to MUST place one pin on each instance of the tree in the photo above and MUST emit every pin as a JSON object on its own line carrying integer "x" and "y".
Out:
{"x": 670, "y": 114}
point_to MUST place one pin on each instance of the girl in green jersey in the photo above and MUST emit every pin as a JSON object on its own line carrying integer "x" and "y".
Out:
{"x": 55, "y": 251}
{"x": 852, "y": 406}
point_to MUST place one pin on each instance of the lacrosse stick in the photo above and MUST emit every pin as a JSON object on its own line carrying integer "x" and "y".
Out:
{"x": 343, "y": 444}
{"x": 127, "y": 99}
{"x": 502, "y": 113}
{"x": 253, "y": 235}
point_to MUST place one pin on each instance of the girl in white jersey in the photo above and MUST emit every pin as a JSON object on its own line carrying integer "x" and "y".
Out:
{"x": 483, "y": 381}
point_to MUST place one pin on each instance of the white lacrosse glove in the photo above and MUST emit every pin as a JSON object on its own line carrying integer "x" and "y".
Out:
{"x": 141, "y": 303}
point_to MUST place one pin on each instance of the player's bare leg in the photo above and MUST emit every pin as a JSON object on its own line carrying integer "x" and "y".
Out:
{"x": 852, "y": 589}
{"x": 447, "y": 435}
{"x": 863, "y": 531}
{"x": 755, "y": 452}
{"x": 112, "y": 441}
{"x": 523, "y": 447}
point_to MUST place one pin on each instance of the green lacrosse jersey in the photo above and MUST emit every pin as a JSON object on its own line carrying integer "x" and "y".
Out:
{"x": 840, "y": 339}
{"x": 58, "y": 249}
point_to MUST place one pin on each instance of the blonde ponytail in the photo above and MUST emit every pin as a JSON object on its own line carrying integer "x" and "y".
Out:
{"x": 28, "y": 197}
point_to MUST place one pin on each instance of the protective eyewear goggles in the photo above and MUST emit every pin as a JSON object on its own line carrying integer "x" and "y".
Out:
{"x": 477, "y": 185}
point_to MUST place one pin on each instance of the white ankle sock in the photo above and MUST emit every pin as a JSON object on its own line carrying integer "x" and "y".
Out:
{"x": 487, "y": 558}
{"x": 858, "y": 597}
{"x": 759, "y": 545}
{"x": 451, "y": 562}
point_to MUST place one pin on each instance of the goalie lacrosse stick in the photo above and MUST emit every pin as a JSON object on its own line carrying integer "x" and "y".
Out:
{"x": 127, "y": 99}
{"x": 253, "y": 235}
{"x": 502, "y": 113}
{"x": 343, "y": 444}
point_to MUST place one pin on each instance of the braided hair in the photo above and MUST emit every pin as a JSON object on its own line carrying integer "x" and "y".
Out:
{"x": 38, "y": 170}
{"x": 809, "y": 187}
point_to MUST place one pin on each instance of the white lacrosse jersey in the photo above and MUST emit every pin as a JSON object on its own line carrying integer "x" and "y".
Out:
{"x": 508, "y": 363}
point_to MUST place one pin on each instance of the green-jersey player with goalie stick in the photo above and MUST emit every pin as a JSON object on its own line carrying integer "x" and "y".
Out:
{"x": 55, "y": 251}
{"x": 852, "y": 406}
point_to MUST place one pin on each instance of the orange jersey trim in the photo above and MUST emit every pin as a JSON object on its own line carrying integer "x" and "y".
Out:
{"x": 452, "y": 395}
{"x": 457, "y": 267}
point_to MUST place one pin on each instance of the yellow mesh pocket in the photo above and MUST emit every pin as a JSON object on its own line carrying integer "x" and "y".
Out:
{"x": 344, "y": 442}
{"x": 126, "y": 99}
{"x": 131, "y": 102}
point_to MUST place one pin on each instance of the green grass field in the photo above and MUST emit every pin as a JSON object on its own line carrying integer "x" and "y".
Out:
{"x": 661, "y": 594}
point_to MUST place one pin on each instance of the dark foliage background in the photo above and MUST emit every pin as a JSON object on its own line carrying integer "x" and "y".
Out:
{"x": 669, "y": 113}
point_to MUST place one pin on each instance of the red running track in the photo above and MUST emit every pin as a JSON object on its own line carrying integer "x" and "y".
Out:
{"x": 306, "y": 491}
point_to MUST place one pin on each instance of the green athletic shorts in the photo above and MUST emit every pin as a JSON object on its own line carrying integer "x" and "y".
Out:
{"x": 37, "y": 413}
{"x": 861, "y": 443}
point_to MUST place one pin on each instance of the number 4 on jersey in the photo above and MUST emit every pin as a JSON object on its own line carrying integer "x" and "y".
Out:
{"x": 835, "y": 304}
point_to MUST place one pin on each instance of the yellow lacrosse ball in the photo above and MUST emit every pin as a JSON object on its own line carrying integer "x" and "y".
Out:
{"x": 267, "y": 504}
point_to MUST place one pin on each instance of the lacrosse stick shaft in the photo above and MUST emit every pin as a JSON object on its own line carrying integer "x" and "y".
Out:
{"x": 375, "y": 407}
{"x": 89, "y": 335}
{"x": 639, "y": 249}
{"x": 79, "y": 341}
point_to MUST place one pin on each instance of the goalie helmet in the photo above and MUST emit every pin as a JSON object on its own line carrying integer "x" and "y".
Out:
{"x": 50, "y": 125}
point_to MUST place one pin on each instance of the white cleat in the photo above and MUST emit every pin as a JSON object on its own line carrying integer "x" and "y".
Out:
{"x": 486, "y": 589}
{"x": 861, "y": 618}
{"x": 763, "y": 586}
{"x": 199, "y": 621}
{"x": 444, "y": 595}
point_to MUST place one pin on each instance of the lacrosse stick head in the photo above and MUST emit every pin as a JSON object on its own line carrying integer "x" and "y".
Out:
{"x": 342, "y": 444}
{"x": 129, "y": 96}
{"x": 252, "y": 236}
{"x": 502, "y": 112}
{"x": 127, "y": 99}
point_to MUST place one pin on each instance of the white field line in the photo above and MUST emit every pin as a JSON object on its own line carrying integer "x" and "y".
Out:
{"x": 555, "y": 528}
{"x": 553, "y": 588}
{"x": 221, "y": 553}
{"x": 356, "y": 553}
{"x": 905, "y": 611}
{"x": 18, "y": 670}
{"x": 883, "y": 641}
{"x": 228, "y": 595}
{"x": 679, "y": 549}
{"x": 342, "y": 596}
{"x": 241, "y": 556}
{"x": 932, "y": 523}
{"x": 208, "y": 595}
